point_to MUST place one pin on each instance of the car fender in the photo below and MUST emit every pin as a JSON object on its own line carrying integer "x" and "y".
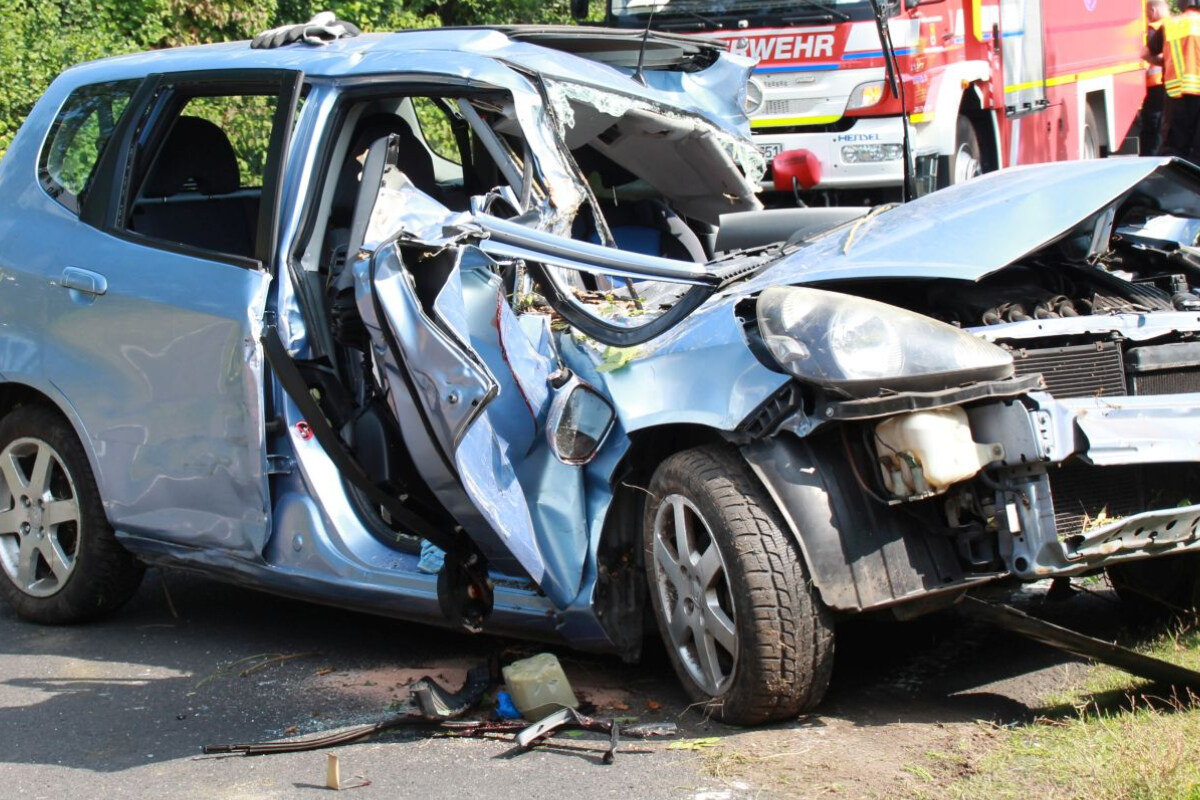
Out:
{"x": 701, "y": 372}
{"x": 860, "y": 556}
{"x": 58, "y": 400}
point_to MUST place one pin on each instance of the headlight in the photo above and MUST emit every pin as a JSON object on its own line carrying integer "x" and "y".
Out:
{"x": 871, "y": 153}
{"x": 865, "y": 95}
{"x": 860, "y": 346}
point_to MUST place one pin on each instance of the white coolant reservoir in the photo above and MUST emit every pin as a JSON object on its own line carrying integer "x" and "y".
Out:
{"x": 924, "y": 452}
{"x": 539, "y": 686}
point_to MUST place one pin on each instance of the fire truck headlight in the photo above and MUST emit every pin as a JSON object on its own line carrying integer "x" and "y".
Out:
{"x": 871, "y": 153}
{"x": 858, "y": 346}
{"x": 865, "y": 95}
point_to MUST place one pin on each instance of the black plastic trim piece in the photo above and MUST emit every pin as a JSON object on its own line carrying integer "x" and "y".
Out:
{"x": 920, "y": 401}
{"x": 615, "y": 335}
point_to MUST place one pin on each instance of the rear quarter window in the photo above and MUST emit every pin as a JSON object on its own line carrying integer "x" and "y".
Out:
{"x": 77, "y": 139}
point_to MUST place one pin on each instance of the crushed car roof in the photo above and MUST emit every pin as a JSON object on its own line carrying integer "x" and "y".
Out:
{"x": 703, "y": 77}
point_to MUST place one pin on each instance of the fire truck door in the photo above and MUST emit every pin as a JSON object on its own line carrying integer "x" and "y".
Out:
{"x": 1024, "y": 54}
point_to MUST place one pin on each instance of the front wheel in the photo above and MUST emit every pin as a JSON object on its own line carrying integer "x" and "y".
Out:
{"x": 744, "y": 629}
{"x": 59, "y": 560}
{"x": 967, "y": 161}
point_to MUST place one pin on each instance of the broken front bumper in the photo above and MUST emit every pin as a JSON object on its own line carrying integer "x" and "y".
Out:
{"x": 1100, "y": 432}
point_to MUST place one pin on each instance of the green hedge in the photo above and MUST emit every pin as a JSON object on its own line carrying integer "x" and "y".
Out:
{"x": 40, "y": 38}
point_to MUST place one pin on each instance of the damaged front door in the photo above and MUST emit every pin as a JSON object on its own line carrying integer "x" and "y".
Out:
{"x": 474, "y": 386}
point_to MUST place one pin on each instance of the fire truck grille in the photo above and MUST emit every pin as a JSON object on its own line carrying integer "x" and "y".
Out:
{"x": 1090, "y": 370}
{"x": 794, "y": 106}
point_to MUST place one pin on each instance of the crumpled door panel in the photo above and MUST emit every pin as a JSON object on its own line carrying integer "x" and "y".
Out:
{"x": 445, "y": 400}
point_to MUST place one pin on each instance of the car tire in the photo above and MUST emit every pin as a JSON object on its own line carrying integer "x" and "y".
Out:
{"x": 743, "y": 627}
{"x": 50, "y": 513}
{"x": 967, "y": 161}
{"x": 1158, "y": 588}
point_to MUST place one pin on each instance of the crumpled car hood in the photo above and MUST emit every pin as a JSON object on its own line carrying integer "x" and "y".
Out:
{"x": 969, "y": 231}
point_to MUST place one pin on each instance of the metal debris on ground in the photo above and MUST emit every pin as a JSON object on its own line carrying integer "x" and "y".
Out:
{"x": 437, "y": 711}
{"x": 1078, "y": 644}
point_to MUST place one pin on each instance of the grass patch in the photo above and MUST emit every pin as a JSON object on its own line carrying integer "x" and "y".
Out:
{"x": 1115, "y": 737}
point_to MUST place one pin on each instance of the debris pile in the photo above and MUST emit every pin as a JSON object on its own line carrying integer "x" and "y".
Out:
{"x": 535, "y": 688}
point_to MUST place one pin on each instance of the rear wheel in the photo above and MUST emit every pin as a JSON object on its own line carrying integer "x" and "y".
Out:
{"x": 1159, "y": 587}
{"x": 967, "y": 161}
{"x": 58, "y": 556}
{"x": 744, "y": 629}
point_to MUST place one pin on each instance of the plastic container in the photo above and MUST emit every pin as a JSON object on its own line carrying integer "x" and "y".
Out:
{"x": 941, "y": 449}
{"x": 539, "y": 686}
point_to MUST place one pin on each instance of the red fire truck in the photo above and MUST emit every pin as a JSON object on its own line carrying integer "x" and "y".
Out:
{"x": 986, "y": 83}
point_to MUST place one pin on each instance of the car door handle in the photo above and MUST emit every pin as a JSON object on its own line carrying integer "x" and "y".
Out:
{"x": 84, "y": 281}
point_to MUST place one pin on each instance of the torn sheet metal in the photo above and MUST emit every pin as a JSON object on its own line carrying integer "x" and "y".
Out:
{"x": 437, "y": 392}
{"x": 400, "y": 207}
{"x": 705, "y": 170}
{"x": 520, "y": 464}
{"x": 966, "y": 232}
{"x": 1078, "y": 644}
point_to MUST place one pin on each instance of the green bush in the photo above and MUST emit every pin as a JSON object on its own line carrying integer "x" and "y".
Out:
{"x": 40, "y": 38}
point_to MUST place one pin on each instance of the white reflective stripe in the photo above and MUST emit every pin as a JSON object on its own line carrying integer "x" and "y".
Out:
{"x": 991, "y": 17}
{"x": 905, "y": 32}
{"x": 864, "y": 36}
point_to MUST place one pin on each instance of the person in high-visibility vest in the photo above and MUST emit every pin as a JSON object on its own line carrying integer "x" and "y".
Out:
{"x": 1178, "y": 42}
{"x": 1150, "y": 117}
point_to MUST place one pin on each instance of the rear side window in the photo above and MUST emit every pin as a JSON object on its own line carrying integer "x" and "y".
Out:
{"x": 247, "y": 121}
{"x": 77, "y": 139}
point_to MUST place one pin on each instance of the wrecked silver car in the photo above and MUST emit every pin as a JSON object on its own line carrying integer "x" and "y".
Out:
{"x": 487, "y": 328}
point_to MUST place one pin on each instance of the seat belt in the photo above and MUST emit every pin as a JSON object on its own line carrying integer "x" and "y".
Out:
{"x": 286, "y": 372}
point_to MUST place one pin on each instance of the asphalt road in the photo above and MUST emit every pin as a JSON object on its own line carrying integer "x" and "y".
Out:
{"x": 120, "y": 709}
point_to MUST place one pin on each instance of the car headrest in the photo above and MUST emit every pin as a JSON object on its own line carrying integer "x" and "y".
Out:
{"x": 413, "y": 159}
{"x": 196, "y": 157}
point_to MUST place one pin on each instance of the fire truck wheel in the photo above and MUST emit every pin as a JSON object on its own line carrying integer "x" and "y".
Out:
{"x": 1091, "y": 141}
{"x": 967, "y": 161}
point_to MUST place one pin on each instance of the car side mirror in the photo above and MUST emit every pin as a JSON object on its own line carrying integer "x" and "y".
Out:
{"x": 580, "y": 419}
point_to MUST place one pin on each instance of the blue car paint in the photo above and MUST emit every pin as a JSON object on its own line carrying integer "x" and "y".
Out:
{"x": 181, "y": 462}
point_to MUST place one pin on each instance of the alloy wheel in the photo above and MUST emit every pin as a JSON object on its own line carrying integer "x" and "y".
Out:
{"x": 693, "y": 585}
{"x": 39, "y": 517}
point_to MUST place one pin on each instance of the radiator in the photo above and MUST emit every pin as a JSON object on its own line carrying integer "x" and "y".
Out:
{"x": 1089, "y": 370}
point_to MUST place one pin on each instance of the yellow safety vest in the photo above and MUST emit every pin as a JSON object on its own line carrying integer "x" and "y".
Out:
{"x": 1181, "y": 54}
{"x": 1154, "y": 72}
